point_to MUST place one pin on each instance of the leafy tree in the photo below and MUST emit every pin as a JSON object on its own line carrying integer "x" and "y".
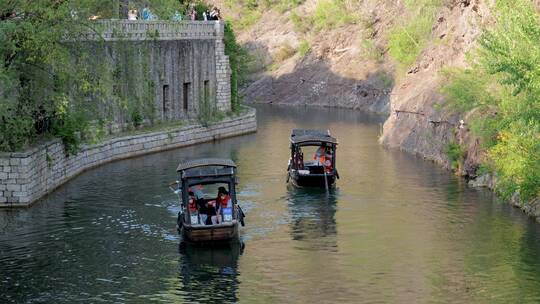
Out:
{"x": 239, "y": 59}
{"x": 49, "y": 80}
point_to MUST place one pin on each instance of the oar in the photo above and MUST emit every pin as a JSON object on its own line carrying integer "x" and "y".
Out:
{"x": 325, "y": 180}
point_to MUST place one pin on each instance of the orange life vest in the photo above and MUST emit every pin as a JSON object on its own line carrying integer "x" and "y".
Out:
{"x": 192, "y": 205}
{"x": 223, "y": 202}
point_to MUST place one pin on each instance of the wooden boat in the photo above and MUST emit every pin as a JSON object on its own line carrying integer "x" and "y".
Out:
{"x": 320, "y": 170}
{"x": 197, "y": 183}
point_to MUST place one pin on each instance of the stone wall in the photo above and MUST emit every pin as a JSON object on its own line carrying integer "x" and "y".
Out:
{"x": 27, "y": 176}
{"x": 170, "y": 66}
{"x": 223, "y": 75}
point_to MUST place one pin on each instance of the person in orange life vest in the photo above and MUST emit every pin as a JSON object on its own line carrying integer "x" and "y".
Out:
{"x": 298, "y": 158}
{"x": 193, "y": 208}
{"x": 205, "y": 210}
{"x": 327, "y": 163}
{"x": 324, "y": 156}
{"x": 192, "y": 205}
{"x": 223, "y": 200}
{"x": 321, "y": 152}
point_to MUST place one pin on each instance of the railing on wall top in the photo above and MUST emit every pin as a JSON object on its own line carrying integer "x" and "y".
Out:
{"x": 111, "y": 30}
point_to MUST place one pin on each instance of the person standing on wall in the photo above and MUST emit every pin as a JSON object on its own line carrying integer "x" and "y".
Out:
{"x": 177, "y": 16}
{"x": 132, "y": 14}
{"x": 146, "y": 14}
{"x": 214, "y": 14}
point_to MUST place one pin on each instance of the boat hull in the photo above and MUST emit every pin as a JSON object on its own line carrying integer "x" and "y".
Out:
{"x": 210, "y": 233}
{"x": 312, "y": 180}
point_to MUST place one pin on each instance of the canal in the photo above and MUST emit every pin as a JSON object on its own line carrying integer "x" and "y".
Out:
{"x": 396, "y": 229}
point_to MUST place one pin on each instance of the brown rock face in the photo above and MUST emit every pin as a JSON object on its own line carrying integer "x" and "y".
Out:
{"x": 418, "y": 121}
{"x": 339, "y": 70}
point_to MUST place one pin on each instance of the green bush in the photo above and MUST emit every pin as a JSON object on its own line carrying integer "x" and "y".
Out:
{"x": 469, "y": 88}
{"x": 301, "y": 24}
{"x": 455, "y": 154}
{"x": 69, "y": 127}
{"x": 303, "y": 48}
{"x": 406, "y": 42}
{"x": 331, "y": 14}
{"x": 16, "y": 130}
{"x": 239, "y": 60}
{"x": 136, "y": 118}
{"x": 249, "y": 18}
{"x": 516, "y": 158}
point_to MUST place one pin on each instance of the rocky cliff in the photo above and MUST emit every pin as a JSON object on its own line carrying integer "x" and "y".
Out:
{"x": 349, "y": 66}
{"x": 418, "y": 121}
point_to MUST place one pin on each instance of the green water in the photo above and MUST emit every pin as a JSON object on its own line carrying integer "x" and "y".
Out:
{"x": 396, "y": 229}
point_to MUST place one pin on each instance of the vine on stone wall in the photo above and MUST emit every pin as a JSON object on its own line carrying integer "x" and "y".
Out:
{"x": 53, "y": 84}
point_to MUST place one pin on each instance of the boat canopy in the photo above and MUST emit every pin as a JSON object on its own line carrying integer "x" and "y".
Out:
{"x": 306, "y": 137}
{"x": 205, "y": 162}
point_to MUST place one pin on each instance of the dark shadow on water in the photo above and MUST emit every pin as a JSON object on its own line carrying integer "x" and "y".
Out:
{"x": 209, "y": 274}
{"x": 313, "y": 217}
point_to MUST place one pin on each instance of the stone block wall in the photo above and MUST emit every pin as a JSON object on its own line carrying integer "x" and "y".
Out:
{"x": 179, "y": 64}
{"x": 223, "y": 73}
{"x": 27, "y": 176}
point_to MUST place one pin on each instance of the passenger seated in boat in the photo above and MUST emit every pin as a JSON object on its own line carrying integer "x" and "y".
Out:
{"x": 223, "y": 200}
{"x": 320, "y": 154}
{"x": 195, "y": 216}
{"x": 328, "y": 162}
{"x": 198, "y": 196}
{"x": 299, "y": 160}
{"x": 207, "y": 210}
{"x": 223, "y": 203}
{"x": 192, "y": 205}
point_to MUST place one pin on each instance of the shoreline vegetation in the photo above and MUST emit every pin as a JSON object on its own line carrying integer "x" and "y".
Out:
{"x": 500, "y": 95}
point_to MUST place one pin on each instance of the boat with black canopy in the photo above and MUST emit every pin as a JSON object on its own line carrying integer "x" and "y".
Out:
{"x": 320, "y": 169}
{"x": 209, "y": 208}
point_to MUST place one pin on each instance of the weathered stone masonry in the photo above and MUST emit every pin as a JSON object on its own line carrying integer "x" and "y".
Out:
{"x": 187, "y": 62}
{"x": 27, "y": 176}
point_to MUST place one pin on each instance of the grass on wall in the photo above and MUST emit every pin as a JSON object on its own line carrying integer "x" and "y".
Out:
{"x": 304, "y": 48}
{"x": 406, "y": 41}
{"x": 330, "y": 14}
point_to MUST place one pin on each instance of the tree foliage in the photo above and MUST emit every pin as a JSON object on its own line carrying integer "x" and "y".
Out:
{"x": 239, "y": 59}
{"x": 52, "y": 84}
{"x": 504, "y": 83}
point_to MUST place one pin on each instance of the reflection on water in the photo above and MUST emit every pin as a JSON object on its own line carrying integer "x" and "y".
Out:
{"x": 395, "y": 229}
{"x": 312, "y": 217}
{"x": 209, "y": 275}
